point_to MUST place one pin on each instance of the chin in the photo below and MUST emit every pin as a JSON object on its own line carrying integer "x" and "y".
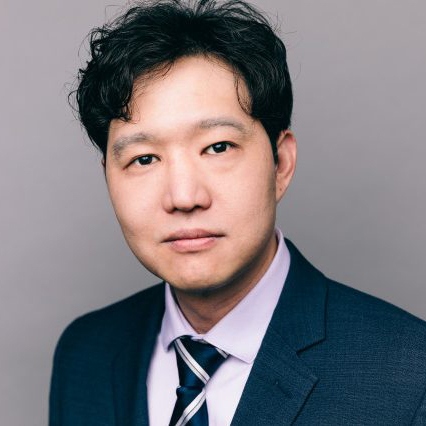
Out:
{"x": 196, "y": 287}
{"x": 199, "y": 290}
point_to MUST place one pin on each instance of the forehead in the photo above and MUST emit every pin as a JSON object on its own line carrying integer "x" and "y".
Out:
{"x": 192, "y": 74}
{"x": 192, "y": 90}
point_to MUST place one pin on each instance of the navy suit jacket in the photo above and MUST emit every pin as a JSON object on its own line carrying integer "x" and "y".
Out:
{"x": 332, "y": 355}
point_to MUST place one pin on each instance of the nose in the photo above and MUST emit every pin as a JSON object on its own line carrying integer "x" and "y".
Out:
{"x": 186, "y": 187}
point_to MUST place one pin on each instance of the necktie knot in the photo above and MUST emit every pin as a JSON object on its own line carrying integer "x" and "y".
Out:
{"x": 197, "y": 361}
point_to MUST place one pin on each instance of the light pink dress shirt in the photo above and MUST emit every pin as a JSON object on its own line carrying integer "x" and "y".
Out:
{"x": 240, "y": 333}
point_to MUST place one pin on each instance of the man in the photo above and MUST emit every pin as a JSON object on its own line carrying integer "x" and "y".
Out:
{"x": 191, "y": 107}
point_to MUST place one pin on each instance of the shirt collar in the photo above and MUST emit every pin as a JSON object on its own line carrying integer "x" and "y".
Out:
{"x": 240, "y": 331}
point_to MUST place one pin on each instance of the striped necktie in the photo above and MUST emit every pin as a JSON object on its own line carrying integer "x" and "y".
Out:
{"x": 196, "y": 361}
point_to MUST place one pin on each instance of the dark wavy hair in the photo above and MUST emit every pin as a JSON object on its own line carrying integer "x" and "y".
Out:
{"x": 152, "y": 35}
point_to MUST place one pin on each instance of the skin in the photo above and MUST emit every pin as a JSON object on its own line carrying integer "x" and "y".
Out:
{"x": 188, "y": 181}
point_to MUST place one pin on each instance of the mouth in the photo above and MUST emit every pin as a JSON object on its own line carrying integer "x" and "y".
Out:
{"x": 193, "y": 244}
{"x": 192, "y": 234}
{"x": 193, "y": 240}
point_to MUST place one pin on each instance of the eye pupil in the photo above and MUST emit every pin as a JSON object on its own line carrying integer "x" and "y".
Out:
{"x": 222, "y": 145}
{"x": 140, "y": 159}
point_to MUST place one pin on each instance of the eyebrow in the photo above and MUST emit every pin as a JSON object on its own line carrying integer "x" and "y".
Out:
{"x": 124, "y": 141}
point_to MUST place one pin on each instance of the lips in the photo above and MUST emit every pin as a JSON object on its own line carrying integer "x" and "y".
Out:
{"x": 192, "y": 233}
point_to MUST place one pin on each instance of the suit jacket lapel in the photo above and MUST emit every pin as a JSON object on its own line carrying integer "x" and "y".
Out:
{"x": 130, "y": 366}
{"x": 280, "y": 382}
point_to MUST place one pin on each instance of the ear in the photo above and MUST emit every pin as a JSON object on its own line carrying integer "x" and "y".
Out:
{"x": 287, "y": 156}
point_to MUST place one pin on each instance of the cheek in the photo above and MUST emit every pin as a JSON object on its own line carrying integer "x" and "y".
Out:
{"x": 132, "y": 207}
{"x": 254, "y": 188}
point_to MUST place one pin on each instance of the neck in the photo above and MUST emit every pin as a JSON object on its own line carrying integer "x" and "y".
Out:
{"x": 205, "y": 310}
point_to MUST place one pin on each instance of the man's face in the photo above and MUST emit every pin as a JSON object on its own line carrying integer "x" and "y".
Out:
{"x": 192, "y": 158}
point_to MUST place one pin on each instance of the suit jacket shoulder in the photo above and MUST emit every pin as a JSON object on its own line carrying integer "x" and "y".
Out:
{"x": 381, "y": 333}
{"x": 373, "y": 313}
{"x": 371, "y": 365}
{"x": 81, "y": 380}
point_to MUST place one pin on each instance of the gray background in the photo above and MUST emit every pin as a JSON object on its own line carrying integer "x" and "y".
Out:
{"x": 356, "y": 207}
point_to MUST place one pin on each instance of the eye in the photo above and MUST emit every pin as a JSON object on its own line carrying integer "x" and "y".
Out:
{"x": 144, "y": 160}
{"x": 220, "y": 146}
